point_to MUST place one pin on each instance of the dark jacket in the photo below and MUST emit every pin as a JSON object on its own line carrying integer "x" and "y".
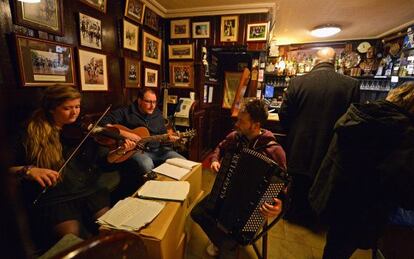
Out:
{"x": 310, "y": 108}
{"x": 368, "y": 169}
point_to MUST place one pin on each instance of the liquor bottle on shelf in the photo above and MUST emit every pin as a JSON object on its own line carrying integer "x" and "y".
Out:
{"x": 410, "y": 65}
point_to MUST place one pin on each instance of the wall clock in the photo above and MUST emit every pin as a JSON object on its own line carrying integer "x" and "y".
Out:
{"x": 363, "y": 47}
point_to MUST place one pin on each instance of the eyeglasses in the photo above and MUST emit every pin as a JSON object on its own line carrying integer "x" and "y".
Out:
{"x": 150, "y": 102}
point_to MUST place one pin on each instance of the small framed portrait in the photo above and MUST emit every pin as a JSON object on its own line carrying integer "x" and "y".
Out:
{"x": 44, "y": 16}
{"x": 44, "y": 63}
{"x": 97, "y": 4}
{"x": 257, "y": 31}
{"x": 132, "y": 75}
{"x": 134, "y": 10}
{"x": 229, "y": 28}
{"x": 182, "y": 74}
{"x": 180, "y": 29}
{"x": 201, "y": 30}
{"x": 151, "y": 19}
{"x": 90, "y": 31}
{"x": 130, "y": 38}
{"x": 151, "y": 48}
{"x": 180, "y": 51}
{"x": 151, "y": 77}
{"x": 93, "y": 71}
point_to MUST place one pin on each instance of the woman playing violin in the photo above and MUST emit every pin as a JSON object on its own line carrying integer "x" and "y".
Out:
{"x": 72, "y": 199}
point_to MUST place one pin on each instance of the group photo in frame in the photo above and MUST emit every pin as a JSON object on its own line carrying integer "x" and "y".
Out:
{"x": 130, "y": 36}
{"x": 229, "y": 28}
{"x": 93, "y": 71}
{"x": 44, "y": 16}
{"x": 182, "y": 74}
{"x": 44, "y": 62}
{"x": 257, "y": 31}
{"x": 90, "y": 31}
{"x": 201, "y": 30}
{"x": 180, "y": 29}
{"x": 151, "y": 77}
{"x": 180, "y": 51}
{"x": 132, "y": 72}
{"x": 151, "y": 48}
{"x": 151, "y": 19}
{"x": 97, "y": 4}
{"x": 134, "y": 10}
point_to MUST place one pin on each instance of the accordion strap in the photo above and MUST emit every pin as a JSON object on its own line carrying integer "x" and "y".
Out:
{"x": 269, "y": 144}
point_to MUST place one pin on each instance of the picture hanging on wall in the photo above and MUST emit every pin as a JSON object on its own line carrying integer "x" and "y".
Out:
{"x": 151, "y": 19}
{"x": 257, "y": 31}
{"x": 90, "y": 31}
{"x": 134, "y": 10}
{"x": 182, "y": 74}
{"x": 97, "y": 4}
{"x": 93, "y": 71}
{"x": 180, "y": 29}
{"x": 130, "y": 36}
{"x": 151, "y": 77}
{"x": 44, "y": 16}
{"x": 231, "y": 83}
{"x": 180, "y": 51}
{"x": 151, "y": 48}
{"x": 229, "y": 28}
{"x": 132, "y": 77}
{"x": 201, "y": 30}
{"x": 44, "y": 63}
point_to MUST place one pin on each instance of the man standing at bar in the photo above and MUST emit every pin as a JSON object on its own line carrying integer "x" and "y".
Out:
{"x": 310, "y": 108}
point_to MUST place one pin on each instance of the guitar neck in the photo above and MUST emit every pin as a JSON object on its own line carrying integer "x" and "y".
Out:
{"x": 162, "y": 137}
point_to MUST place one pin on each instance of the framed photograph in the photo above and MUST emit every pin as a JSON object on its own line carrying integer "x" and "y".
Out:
{"x": 180, "y": 51}
{"x": 44, "y": 16}
{"x": 97, "y": 4}
{"x": 257, "y": 31}
{"x": 229, "y": 28}
{"x": 130, "y": 36}
{"x": 134, "y": 10}
{"x": 151, "y": 19}
{"x": 201, "y": 30}
{"x": 151, "y": 77}
{"x": 180, "y": 29}
{"x": 132, "y": 74}
{"x": 90, "y": 31}
{"x": 44, "y": 63}
{"x": 182, "y": 74}
{"x": 93, "y": 71}
{"x": 231, "y": 83}
{"x": 151, "y": 48}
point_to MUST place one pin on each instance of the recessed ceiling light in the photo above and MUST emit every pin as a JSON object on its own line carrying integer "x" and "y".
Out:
{"x": 30, "y": 1}
{"x": 325, "y": 31}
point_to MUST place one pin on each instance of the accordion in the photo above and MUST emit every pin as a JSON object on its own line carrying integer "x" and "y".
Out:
{"x": 244, "y": 182}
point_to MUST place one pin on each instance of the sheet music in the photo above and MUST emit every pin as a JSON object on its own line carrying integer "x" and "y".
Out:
{"x": 165, "y": 190}
{"x": 131, "y": 214}
{"x": 172, "y": 171}
{"x": 184, "y": 163}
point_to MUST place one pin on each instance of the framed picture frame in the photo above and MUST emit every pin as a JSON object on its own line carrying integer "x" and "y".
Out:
{"x": 151, "y": 48}
{"x": 99, "y": 5}
{"x": 151, "y": 77}
{"x": 180, "y": 29}
{"x": 132, "y": 73}
{"x": 231, "y": 83}
{"x": 257, "y": 31}
{"x": 90, "y": 31}
{"x": 130, "y": 36}
{"x": 201, "y": 30}
{"x": 134, "y": 10}
{"x": 44, "y": 16}
{"x": 151, "y": 19}
{"x": 182, "y": 74}
{"x": 93, "y": 71}
{"x": 44, "y": 62}
{"x": 180, "y": 51}
{"x": 229, "y": 29}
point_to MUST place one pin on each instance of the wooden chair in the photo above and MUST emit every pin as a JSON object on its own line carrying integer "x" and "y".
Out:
{"x": 110, "y": 245}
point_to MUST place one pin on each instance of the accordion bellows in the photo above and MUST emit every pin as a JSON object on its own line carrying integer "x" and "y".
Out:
{"x": 244, "y": 182}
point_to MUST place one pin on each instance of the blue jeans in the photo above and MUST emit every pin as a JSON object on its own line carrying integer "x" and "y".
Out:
{"x": 146, "y": 161}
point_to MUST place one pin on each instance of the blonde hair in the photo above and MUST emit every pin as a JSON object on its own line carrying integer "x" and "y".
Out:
{"x": 403, "y": 96}
{"x": 42, "y": 142}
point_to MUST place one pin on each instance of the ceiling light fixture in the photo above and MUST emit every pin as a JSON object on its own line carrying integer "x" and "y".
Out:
{"x": 325, "y": 30}
{"x": 30, "y": 1}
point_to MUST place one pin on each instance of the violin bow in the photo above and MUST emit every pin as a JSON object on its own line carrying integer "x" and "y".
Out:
{"x": 74, "y": 152}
